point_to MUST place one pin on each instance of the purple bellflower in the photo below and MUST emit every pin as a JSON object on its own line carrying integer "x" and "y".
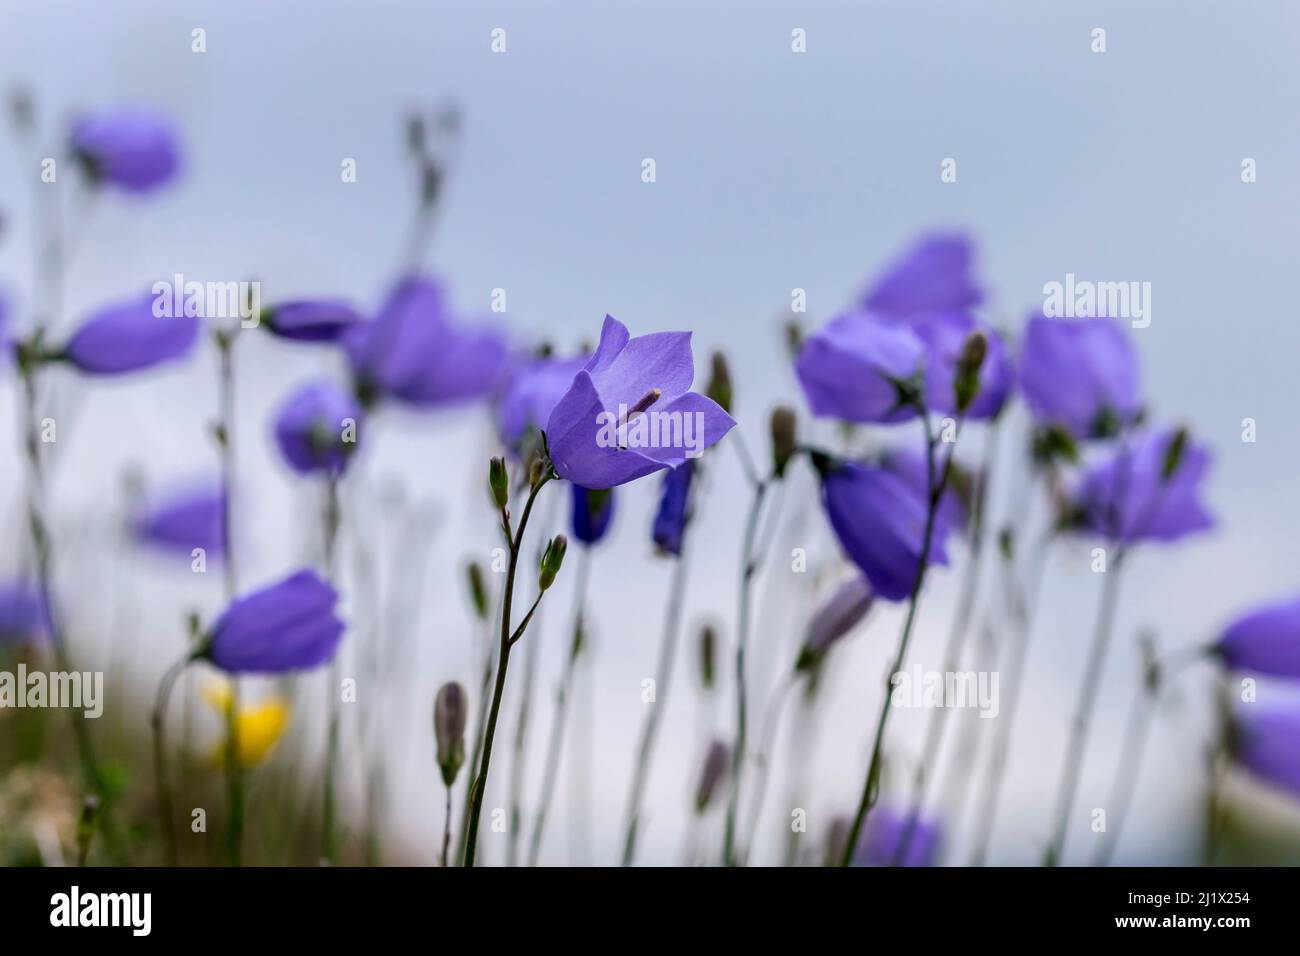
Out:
{"x": 909, "y": 463}
{"x": 630, "y": 411}
{"x": 860, "y": 367}
{"x": 1265, "y": 641}
{"x": 592, "y": 513}
{"x": 24, "y": 617}
{"x": 536, "y": 387}
{"x": 317, "y": 429}
{"x": 935, "y": 275}
{"x": 673, "y": 513}
{"x": 1266, "y": 741}
{"x": 879, "y": 519}
{"x": 944, "y": 336}
{"x": 287, "y": 626}
{"x": 311, "y": 320}
{"x": 128, "y": 337}
{"x": 131, "y": 148}
{"x": 182, "y": 521}
{"x": 886, "y": 828}
{"x": 414, "y": 352}
{"x": 1081, "y": 375}
{"x": 1131, "y": 495}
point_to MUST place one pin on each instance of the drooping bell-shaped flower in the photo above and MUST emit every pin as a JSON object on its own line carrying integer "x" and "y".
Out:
{"x": 630, "y": 411}
{"x": 934, "y": 275}
{"x": 1135, "y": 492}
{"x": 130, "y": 148}
{"x": 909, "y": 463}
{"x": 318, "y": 429}
{"x": 862, "y": 368}
{"x": 837, "y": 617}
{"x": 1264, "y": 641}
{"x": 674, "y": 511}
{"x": 311, "y": 320}
{"x": 1080, "y": 375}
{"x": 24, "y": 616}
{"x": 415, "y": 352}
{"x": 287, "y": 626}
{"x": 592, "y": 513}
{"x": 886, "y": 830}
{"x": 945, "y": 336}
{"x": 880, "y": 521}
{"x": 130, "y": 336}
{"x": 1266, "y": 741}
{"x": 183, "y": 520}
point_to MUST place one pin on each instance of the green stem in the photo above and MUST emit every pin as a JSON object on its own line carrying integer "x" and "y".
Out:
{"x": 329, "y": 828}
{"x": 159, "y": 718}
{"x": 226, "y": 444}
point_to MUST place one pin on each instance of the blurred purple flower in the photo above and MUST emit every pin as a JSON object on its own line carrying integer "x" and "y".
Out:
{"x": 415, "y": 353}
{"x": 536, "y": 387}
{"x": 287, "y": 626}
{"x": 880, "y": 521}
{"x": 1127, "y": 495}
{"x": 630, "y": 411}
{"x": 933, "y": 276}
{"x": 1080, "y": 374}
{"x": 909, "y": 464}
{"x": 592, "y": 513}
{"x": 128, "y": 337}
{"x": 674, "y": 512}
{"x": 311, "y": 320}
{"x": 182, "y": 521}
{"x": 1265, "y": 641}
{"x": 856, "y": 366}
{"x": 886, "y": 829}
{"x": 1266, "y": 741}
{"x": 839, "y": 615}
{"x": 24, "y": 617}
{"x": 132, "y": 148}
{"x": 944, "y": 335}
{"x": 318, "y": 429}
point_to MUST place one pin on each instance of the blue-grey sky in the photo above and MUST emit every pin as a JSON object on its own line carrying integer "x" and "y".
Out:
{"x": 775, "y": 171}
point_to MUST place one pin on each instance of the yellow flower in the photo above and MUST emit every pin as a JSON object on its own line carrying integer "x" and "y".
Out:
{"x": 258, "y": 726}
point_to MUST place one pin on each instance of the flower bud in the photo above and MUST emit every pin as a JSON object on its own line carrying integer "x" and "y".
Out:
{"x": 784, "y": 444}
{"x": 477, "y": 589}
{"x": 837, "y": 617}
{"x": 449, "y": 711}
{"x": 552, "y": 558}
{"x": 719, "y": 388}
{"x": 793, "y": 338}
{"x": 708, "y": 656}
{"x": 714, "y": 769}
{"x": 499, "y": 482}
{"x": 1174, "y": 454}
{"x": 966, "y": 382}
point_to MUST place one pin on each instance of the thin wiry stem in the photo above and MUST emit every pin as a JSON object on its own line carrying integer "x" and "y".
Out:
{"x": 329, "y": 828}
{"x": 159, "y": 719}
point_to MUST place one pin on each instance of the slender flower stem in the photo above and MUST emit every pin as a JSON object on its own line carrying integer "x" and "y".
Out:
{"x": 1082, "y": 722}
{"x": 480, "y": 783}
{"x": 159, "y": 720}
{"x": 446, "y": 826}
{"x": 480, "y": 724}
{"x": 870, "y": 786}
{"x": 775, "y": 710}
{"x": 559, "y": 719}
{"x": 1127, "y": 770}
{"x": 953, "y": 650}
{"x": 329, "y": 827}
{"x": 748, "y": 565}
{"x": 654, "y": 716}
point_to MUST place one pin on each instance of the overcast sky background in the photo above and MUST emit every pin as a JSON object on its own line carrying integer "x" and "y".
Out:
{"x": 775, "y": 171}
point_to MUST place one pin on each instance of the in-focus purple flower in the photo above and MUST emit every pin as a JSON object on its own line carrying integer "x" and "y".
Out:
{"x": 886, "y": 829}
{"x": 287, "y": 626}
{"x": 944, "y": 336}
{"x": 414, "y": 352}
{"x": 630, "y": 411}
{"x": 935, "y": 275}
{"x": 592, "y": 513}
{"x": 674, "y": 511}
{"x": 184, "y": 520}
{"x": 311, "y": 320}
{"x": 132, "y": 148}
{"x": 318, "y": 429}
{"x": 535, "y": 388}
{"x": 24, "y": 617}
{"x": 1266, "y": 741}
{"x": 1128, "y": 495}
{"x": 839, "y": 615}
{"x": 879, "y": 519}
{"x": 128, "y": 336}
{"x": 1265, "y": 641}
{"x": 1080, "y": 374}
{"x": 859, "y": 367}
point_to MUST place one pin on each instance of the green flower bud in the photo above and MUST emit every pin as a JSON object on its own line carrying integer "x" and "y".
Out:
{"x": 552, "y": 558}
{"x": 477, "y": 589}
{"x": 784, "y": 443}
{"x": 708, "y": 656}
{"x": 966, "y": 382}
{"x": 499, "y": 482}
{"x": 1174, "y": 454}
{"x": 719, "y": 388}
{"x": 449, "y": 713}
